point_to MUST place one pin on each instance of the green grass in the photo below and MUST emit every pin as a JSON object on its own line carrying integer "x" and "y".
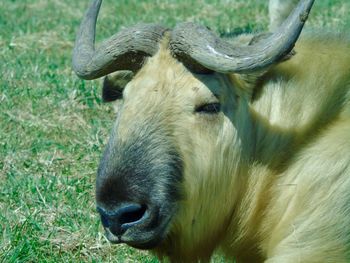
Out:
{"x": 53, "y": 126}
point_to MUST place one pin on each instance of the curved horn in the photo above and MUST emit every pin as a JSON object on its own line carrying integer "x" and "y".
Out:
{"x": 125, "y": 50}
{"x": 194, "y": 44}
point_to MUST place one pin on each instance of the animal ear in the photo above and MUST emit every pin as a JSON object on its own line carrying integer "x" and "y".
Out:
{"x": 114, "y": 84}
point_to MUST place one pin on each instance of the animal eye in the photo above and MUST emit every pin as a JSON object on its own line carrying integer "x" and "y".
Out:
{"x": 210, "y": 108}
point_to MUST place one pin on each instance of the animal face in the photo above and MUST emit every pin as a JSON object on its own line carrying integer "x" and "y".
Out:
{"x": 170, "y": 125}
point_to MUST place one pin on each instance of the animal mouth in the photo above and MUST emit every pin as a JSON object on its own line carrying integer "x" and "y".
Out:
{"x": 138, "y": 243}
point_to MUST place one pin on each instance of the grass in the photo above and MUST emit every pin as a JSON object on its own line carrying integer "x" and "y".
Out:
{"x": 53, "y": 126}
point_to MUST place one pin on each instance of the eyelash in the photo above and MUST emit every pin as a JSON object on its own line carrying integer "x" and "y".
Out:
{"x": 210, "y": 108}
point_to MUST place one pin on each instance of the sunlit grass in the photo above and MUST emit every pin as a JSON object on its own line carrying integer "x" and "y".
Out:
{"x": 53, "y": 126}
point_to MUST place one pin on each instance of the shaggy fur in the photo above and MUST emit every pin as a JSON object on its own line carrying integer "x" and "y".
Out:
{"x": 267, "y": 179}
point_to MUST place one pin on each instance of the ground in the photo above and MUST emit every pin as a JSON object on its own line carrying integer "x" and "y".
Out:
{"x": 53, "y": 126}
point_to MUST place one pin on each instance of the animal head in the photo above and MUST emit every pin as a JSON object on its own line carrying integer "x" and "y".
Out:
{"x": 181, "y": 139}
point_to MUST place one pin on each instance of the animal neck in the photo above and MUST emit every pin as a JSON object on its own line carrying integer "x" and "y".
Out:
{"x": 274, "y": 145}
{"x": 270, "y": 148}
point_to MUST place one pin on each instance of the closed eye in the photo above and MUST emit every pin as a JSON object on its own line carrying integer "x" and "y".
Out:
{"x": 210, "y": 108}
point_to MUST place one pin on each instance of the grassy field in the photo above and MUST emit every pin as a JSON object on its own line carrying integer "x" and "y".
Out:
{"x": 53, "y": 126}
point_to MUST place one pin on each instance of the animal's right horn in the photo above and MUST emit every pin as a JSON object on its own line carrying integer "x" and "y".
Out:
{"x": 125, "y": 50}
{"x": 201, "y": 49}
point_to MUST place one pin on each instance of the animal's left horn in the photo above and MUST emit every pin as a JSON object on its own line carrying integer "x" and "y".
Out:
{"x": 125, "y": 50}
{"x": 194, "y": 44}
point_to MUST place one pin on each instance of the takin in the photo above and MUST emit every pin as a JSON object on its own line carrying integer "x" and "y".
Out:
{"x": 240, "y": 146}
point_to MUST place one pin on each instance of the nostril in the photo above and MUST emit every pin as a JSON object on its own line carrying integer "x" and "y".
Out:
{"x": 123, "y": 217}
{"x": 132, "y": 214}
{"x": 104, "y": 220}
{"x": 105, "y": 216}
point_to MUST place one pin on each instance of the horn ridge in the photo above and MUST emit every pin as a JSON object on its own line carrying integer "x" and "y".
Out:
{"x": 125, "y": 50}
{"x": 192, "y": 43}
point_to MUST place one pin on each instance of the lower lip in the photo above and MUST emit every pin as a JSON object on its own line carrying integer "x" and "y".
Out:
{"x": 112, "y": 238}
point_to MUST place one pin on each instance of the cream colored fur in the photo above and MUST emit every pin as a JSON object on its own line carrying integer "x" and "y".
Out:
{"x": 268, "y": 178}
